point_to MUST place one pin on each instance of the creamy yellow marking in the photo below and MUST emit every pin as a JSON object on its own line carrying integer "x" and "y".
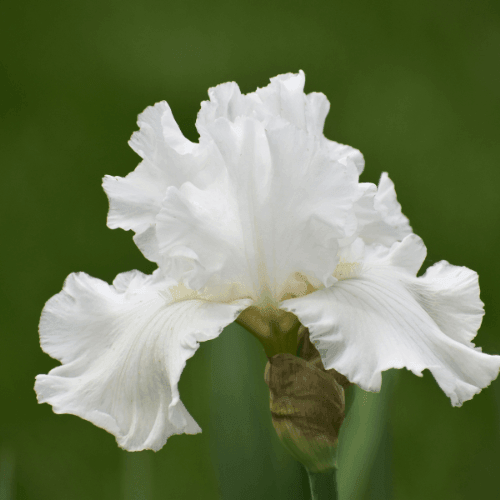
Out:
{"x": 276, "y": 329}
{"x": 345, "y": 270}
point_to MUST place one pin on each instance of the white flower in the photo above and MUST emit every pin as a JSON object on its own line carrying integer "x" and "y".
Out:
{"x": 267, "y": 216}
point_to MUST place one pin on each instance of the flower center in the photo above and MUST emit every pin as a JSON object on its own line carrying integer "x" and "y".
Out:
{"x": 274, "y": 328}
{"x": 345, "y": 270}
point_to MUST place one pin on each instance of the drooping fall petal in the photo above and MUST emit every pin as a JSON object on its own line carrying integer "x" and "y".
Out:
{"x": 123, "y": 348}
{"x": 383, "y": 317}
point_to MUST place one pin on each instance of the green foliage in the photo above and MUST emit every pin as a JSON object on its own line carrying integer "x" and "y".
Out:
{"x": 413, "y": 85}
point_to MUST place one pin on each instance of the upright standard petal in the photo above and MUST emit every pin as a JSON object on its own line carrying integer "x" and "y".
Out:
{"x": 123, "y": 348}
{"x": 262, "y": 196}
{"x": 169, "y": 159}
{"x": 278, "y": 208}
{"x": 380, "y": 219}
{"x": 383, "y": 317}
{"x": 283, "y": 99}
{"x": 135, "y": 200}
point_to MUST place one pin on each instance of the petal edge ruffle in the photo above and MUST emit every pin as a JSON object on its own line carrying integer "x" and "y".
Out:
{"x": 376, "y": 321}
{"x": 123, "y": 349}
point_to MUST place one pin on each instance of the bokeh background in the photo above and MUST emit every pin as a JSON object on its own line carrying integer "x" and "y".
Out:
{"x": 414, "y": 85}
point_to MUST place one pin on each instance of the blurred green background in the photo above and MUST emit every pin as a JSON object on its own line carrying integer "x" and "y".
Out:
{"x": 414, "y": 85}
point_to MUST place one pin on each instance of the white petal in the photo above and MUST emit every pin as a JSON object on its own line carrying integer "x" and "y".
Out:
{"x": 379, "y": 214}
{"x": 316, "y": 109}
{"x": 226, "y": 101}
{"x": 264, "y": 194}
{"x": 285, "y": 97}
{"x": 450, "y": 295}
{"x": 407, "y": 255}
{"x": 279, "y": 209}
{"x": 123, "y": 348}
{"x": 135, "y": 199}
{"x": 169, "y": 159}
{"x": 386, "y": 318}
{"x": 387, "y": 203}
{"x": 345, "y": 154}
{"x": 158, "y": 133}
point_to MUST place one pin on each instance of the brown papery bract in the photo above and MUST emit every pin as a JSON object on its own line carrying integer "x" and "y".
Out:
{"x": 307, "y": 407}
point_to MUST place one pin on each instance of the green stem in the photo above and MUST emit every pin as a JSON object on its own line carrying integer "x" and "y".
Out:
{"x": 349, "y": 393}
{"x": 323, "y": 485}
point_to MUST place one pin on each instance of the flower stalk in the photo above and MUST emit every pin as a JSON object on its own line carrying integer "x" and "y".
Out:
{"x": 323, "y": 485}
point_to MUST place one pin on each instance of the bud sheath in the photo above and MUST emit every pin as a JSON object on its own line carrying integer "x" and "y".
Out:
{"x": 307, "y": 408}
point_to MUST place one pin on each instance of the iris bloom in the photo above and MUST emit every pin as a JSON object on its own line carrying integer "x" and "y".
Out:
{"x": 264, "y": 221}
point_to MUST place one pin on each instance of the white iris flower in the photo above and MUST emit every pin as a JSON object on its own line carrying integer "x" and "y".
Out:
{"x": 263, "y": 221}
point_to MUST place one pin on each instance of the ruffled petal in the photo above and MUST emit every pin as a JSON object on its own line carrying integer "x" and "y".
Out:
{"x": 406, "y": 256}
{"x": 345, "y": 154}
{"x": 285, "y": 97}
{"x": 385, "y": 317}
{"x": 279, "y": 208}
{"x": 135, "y": 200}
{"x": 450, "y": 295}
{"x": 316, "y": 110}
{"x": 387, "y": 204}
{"x": 283, "y": 101}
{"x": 379, "y": 214}
{"x": 169, "y": 159}
{"x": 262, "y": 196}
{"x": 226, "y": 101}
{"x": 123, "y": 348}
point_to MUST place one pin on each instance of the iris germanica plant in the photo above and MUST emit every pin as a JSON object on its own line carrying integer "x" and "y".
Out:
{"x": 263, "y": 221}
